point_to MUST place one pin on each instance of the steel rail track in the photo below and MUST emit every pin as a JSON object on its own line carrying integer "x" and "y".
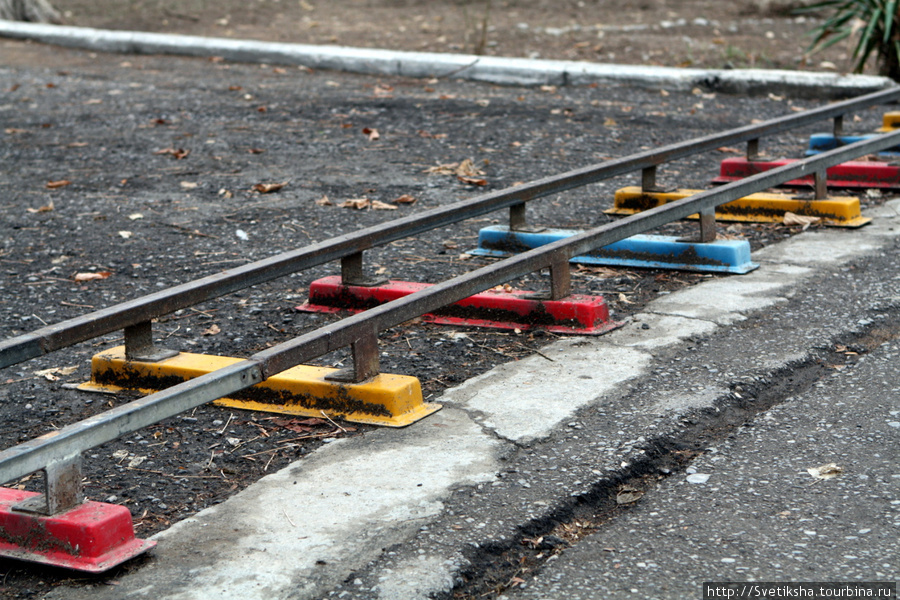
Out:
{"x": 348, "y": 248}
{"x": 59, "y": 450}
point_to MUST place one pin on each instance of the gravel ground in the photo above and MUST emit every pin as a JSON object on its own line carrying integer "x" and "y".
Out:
{"x": 141, "y": 170}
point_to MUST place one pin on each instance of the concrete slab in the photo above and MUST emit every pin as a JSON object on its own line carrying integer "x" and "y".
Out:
{"x": 521, "y": 401}
{"x": 649, "y": 331}
{"x": 726, "y": 301}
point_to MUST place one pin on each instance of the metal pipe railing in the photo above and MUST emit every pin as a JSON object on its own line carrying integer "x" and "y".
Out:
{"x": 67, "y": 444}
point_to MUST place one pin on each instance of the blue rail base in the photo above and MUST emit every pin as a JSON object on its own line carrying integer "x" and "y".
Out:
{"x": 646, "y": 251}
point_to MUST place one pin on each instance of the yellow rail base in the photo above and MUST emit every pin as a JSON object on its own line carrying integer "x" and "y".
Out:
{"x": 389, "y": 400}
{"x": 890, "y": 122}
{"x": 837, "y": 211}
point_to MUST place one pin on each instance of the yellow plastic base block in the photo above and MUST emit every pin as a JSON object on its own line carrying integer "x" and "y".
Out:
{"x": 837, "y": 211}
{"x": 891, "y": 121}
{"x": 390, "y": 400}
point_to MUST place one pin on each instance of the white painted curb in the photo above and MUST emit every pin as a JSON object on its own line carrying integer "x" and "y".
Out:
{"x": 506, "y": 71}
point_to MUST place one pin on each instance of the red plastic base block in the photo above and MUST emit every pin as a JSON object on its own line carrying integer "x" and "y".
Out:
{"x": 517, "y": 309}
{"x": 92, "y": 537}
{"x": 854, "y": 174}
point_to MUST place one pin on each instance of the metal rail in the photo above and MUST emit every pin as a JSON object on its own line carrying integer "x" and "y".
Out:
{"x": 135, "y": 316}
{"x": 64, "y": 447}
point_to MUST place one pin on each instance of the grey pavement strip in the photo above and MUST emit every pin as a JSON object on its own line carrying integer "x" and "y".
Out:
{"x": 750, "y": 510}
{"x": 506, "y": 71}
{"x": 301, "y": 531}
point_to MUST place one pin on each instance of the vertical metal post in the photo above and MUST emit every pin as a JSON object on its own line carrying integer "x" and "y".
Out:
{"x": 648, "y": 179}
{"x": 839, "y": 129}
{"x": 820, "y": 179}
{"x": 139, "y": 344}
{"x": 560, "y": 276}
{"x": 517, "y": 221}
{"x": 365, "y": 360}
{"x": 365, "y": 357}
{"x": 63, "y": 489}
{"x": 707, "y": 228}
{"x": 707, "y": 225}
{"x": 352, "y": 272}
{"x": 753, "y": 149}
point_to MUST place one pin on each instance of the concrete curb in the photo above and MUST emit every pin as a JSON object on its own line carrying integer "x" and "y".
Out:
{"x": 492, "y": 69}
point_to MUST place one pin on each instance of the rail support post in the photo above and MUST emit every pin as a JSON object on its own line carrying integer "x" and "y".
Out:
{"x": 752, "y": 149}
{"x": 139, "y": 344}
{"x": 62, "y": 489}
{"x": 518, "y": 221}
{"x": 352, "y": 272}
{"x": 838, "y": 129}
{"x": 560, "y": 276}
{"x": 648, "y": 181}
{"x": 707, "y": 228}
{"x": 365, "y": 361}
{"x": 820, "y": 181}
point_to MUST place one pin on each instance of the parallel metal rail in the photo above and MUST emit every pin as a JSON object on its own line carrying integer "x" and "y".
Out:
{"x": 58, "y": 453}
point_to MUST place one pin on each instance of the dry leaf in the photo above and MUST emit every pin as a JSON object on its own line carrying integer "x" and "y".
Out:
{"x": 464, "y": 256}
{"x": 467, "y": 169}
{"x": 54, "y": 373}
{"x": 357, "y": 203}
{"x": 472, "y": 180}
{"x": 265, "y": 188}
{"x": 189, "y": 185}
{"x": 176, "y": 153}
{"x": 444, "y": 169}
{"x": 609, "y": 122}
{"x": 47, "y": 208}
{"x": 383, "y": 91}
{"x": 379, "y": 205}
{"x": 92, "y": 276}
{"x": 829, "y": 471}
{"x": 405, "y": 199}
{"x": 213, "y": 330}
{"x": 628, "y": 494}
{"x": 791, "y": 219}
{"x": 730, "y": 150}
{"x": 550, "y": 89}
{"x": 624, "y": 299}
{"x": 53, "y": 185}
{"x": 324, "y": 201}
{"x": 371, "y": 133}
{"x": 125, "y": 234}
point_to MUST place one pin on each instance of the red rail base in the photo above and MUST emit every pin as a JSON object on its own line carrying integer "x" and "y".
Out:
{"x": 517, "y": 309}
{"x": 92, "y": 537}
{"x": 853, "y": 174}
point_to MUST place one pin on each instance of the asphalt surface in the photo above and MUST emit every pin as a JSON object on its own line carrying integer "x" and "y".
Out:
{"x": 586, "y": 465}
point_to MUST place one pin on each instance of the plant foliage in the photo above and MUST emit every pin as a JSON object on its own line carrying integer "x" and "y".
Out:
{"x": 876, "y": 22}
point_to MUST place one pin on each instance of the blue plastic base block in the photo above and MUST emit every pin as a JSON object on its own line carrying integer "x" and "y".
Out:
{"x": 820, "y": 142}
{"x": 648, "y": 251}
